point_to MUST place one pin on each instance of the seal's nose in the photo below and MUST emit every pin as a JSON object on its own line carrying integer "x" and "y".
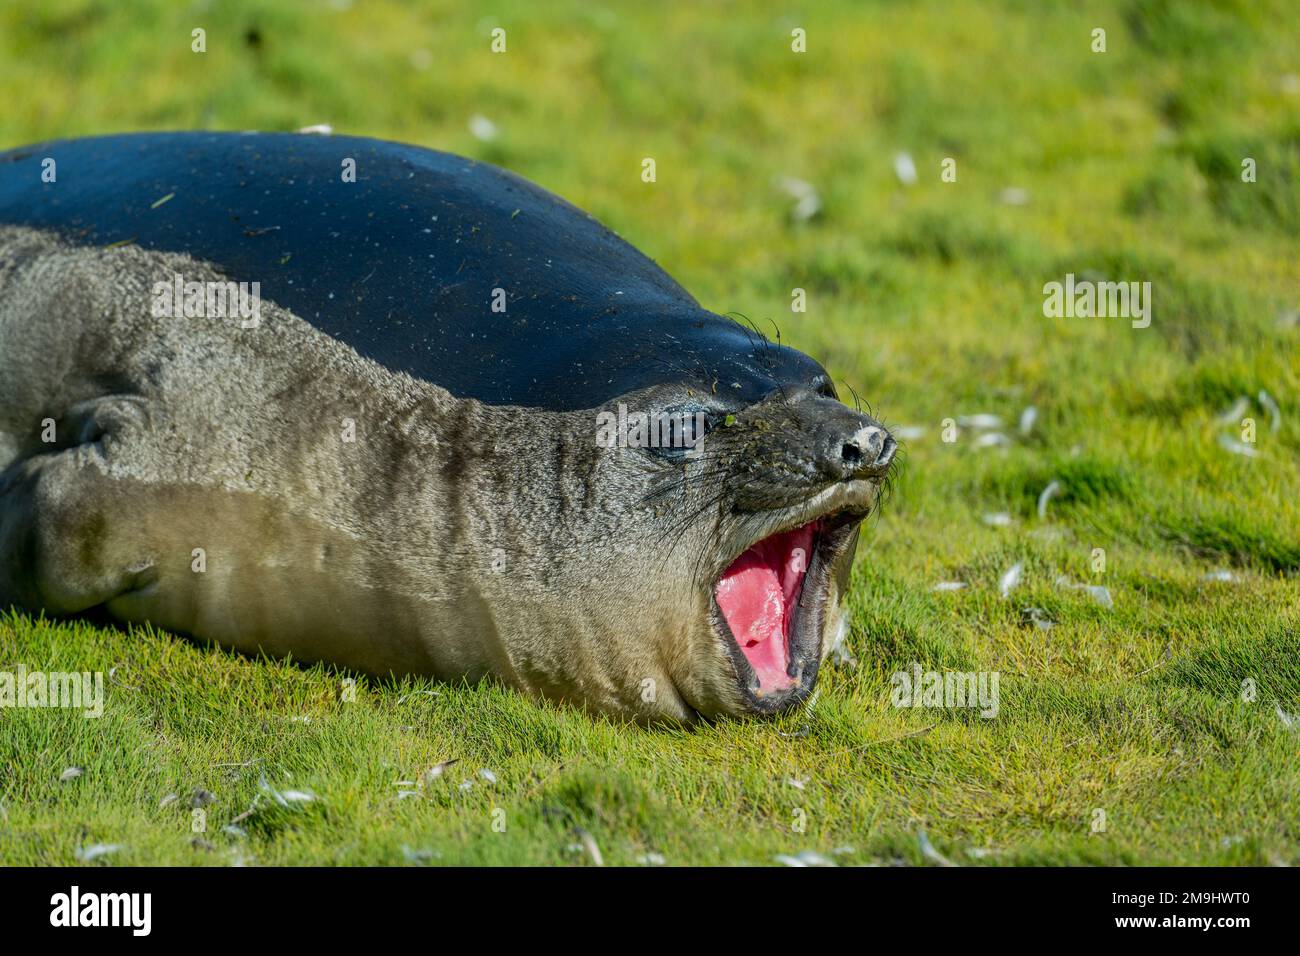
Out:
{"x": 866, "y": 453}
{"x": 837, "y": 442}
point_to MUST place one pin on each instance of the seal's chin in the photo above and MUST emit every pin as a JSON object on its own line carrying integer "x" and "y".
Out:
{"x": 770, "y": 607}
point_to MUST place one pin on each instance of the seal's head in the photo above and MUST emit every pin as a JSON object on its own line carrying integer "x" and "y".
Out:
{"x": 765, "y": 511}
{"x": 726, "y": 532}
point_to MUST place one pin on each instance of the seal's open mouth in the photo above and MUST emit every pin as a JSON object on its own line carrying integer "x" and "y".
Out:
{"x": 770, "y": 603}
{"x": 757, "y": 595}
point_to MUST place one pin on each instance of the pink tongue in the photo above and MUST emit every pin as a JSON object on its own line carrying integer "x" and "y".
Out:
{"x": 757, "y": 595}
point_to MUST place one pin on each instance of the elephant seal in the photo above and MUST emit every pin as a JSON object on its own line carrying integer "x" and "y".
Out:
{"x": 398, "y": 421}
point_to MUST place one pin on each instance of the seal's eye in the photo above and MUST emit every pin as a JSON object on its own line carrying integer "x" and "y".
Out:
{"x": 681, "y": 430}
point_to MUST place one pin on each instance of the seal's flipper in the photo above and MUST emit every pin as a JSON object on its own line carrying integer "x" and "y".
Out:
{"x": 65, "y": 541}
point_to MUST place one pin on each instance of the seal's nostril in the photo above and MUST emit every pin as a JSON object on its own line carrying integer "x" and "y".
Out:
{"x": 887, "y": 452}
{"x": 868, "y": 452}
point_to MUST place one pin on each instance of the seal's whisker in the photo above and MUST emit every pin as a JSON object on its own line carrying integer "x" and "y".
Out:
{"x": 777, "y": 327}
{"x": 681, "y": 482}
{"x": 857, "y": 399}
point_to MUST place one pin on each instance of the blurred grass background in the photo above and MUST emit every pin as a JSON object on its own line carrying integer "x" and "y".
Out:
{"x": 925, "y": 297}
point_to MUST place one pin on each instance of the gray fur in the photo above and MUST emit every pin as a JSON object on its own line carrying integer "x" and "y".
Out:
{"x": 385, "y": 554}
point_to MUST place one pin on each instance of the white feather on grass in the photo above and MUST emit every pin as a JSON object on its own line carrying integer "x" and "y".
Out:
{"x": 482, "y": 128}
{"x": 981, "y": 420}
{"x": 1228, "y": 443}
{"x": 905, "y": 169}
{"x": 929, "y": 852}
{"x": 1027, "y": 419}
{"x": 87, "y": 854}
{"x": 807, "y": 202}
{"x": 589, "y": 844}
{"x": 1051, "y": 491}
{"x": 1232, "y": 414}
{"x": 1274, "y": 412}
{"x": 1011, "y": 578}
{"x": 992, "y": 440}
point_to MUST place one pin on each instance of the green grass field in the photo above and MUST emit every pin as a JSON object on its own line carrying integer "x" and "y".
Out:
{"x": 927, "y": 299}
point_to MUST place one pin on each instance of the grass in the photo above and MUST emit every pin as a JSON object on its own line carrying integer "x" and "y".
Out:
{"x": 927, "y": 299}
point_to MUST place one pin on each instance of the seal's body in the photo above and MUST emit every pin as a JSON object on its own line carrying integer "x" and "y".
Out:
{"x": 393, "y": 462}
{"x": 403, "y": 264}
